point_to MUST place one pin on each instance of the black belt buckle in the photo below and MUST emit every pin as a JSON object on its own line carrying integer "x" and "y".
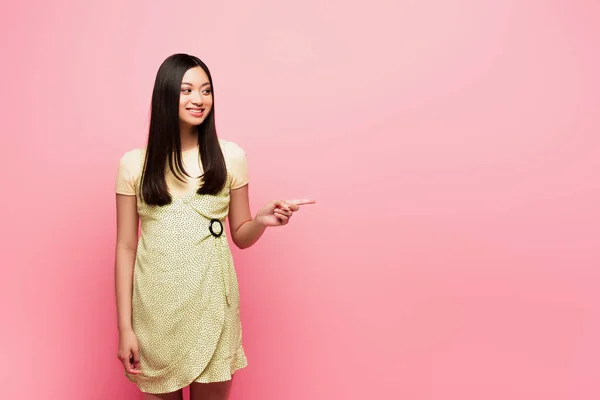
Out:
{"x": 210, "y": 228}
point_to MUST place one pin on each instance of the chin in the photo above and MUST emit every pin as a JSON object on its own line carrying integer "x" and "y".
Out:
{"x": 194, "y": 122}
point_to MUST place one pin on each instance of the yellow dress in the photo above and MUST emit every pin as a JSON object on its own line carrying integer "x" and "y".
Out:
{"x": 185, "y": 306}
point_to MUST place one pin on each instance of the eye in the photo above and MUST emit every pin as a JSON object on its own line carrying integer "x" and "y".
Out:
{"x": 207, "y": 91}
{"x": 186, "y": 90}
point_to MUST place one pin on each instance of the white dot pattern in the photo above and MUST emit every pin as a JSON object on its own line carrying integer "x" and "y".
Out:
{"x": 185, "y": 306}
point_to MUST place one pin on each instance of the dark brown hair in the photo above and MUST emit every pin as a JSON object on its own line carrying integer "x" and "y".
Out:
{"x": 164, "y": 142}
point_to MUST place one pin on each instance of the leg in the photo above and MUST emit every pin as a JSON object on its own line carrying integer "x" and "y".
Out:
{"x": 178, "y": 395}
{"x": 210, "y": 391}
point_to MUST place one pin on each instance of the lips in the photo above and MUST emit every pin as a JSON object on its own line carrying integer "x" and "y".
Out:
{"x": 196, "y": 112}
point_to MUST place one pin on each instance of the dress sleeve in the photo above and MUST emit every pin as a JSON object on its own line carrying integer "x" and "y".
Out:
{"x": 237, "y": 166}
{"x": 128, "y": 173}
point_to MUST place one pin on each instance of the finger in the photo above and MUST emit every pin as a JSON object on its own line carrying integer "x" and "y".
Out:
{"x": 281, "y": 217}
{"x": 131, "y": 369}
{"x": 128, "y": 363}
{"x": 281, "y": 204}
{"x": 289, "y": 206}
{"x": 286, "y": 213}
{"x": 136, "y": 359}
{"x": 293, "y": 207}
{"x": 300, "y": 202}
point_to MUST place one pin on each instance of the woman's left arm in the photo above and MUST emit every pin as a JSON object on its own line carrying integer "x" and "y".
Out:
{"x": 245, "y": 230}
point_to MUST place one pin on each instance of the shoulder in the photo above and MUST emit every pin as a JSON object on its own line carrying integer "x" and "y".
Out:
{"x": 130, "y": 168}
{"x": 132, "y": 155}
{"x": 232, "y": 152}
{"x": 132, "y": 161}
{"x": 235, "y": 160}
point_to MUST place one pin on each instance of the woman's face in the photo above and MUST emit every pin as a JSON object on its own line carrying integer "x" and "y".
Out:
{"x": 195, "y": 99}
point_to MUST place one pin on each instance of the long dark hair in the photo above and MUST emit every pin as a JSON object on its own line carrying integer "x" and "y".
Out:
{"x": 164, "y": 142}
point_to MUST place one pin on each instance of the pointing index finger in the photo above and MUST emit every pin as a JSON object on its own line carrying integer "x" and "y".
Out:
{"x": 300, "y": 202}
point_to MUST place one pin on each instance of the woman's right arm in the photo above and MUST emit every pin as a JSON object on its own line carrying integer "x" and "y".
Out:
{"x": 127, "y": 239}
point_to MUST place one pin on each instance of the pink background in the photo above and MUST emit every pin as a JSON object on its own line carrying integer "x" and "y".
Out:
{"x": 452, "y": 147}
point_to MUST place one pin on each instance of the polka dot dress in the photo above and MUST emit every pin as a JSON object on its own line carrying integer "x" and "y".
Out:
{"x": 185, "y": 306}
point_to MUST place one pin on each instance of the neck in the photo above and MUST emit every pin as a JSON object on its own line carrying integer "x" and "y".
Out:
{"x": 189, "y": 137}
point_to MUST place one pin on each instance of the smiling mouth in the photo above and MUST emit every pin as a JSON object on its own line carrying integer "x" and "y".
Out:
{"x": 197, "y": 112}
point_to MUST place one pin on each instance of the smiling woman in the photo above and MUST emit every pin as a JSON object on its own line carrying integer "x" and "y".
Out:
{"x": 176, "y": 289}
{"x": 185, "y": 81}
{"x": 196, "y": 99}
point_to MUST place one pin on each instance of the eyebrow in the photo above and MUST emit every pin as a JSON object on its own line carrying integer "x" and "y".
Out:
{"x": 187, "y": 83}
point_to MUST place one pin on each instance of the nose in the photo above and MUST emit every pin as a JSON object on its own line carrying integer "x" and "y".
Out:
{"x": 196, "y": 98}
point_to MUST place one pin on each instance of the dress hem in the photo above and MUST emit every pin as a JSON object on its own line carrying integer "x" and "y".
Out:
{"x": 237, "y": 364}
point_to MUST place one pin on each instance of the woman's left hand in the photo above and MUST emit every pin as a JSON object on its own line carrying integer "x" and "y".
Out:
{"x": 279, "y": 212}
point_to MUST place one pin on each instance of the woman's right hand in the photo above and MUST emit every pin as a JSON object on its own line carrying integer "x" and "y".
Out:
{"x": 128, "y": 352}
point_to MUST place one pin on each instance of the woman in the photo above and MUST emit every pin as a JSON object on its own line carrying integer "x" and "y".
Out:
{"x": 176, "y": 287}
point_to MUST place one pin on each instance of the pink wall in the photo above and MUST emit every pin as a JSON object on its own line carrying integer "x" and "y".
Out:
{"x": 452, "y": 147}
